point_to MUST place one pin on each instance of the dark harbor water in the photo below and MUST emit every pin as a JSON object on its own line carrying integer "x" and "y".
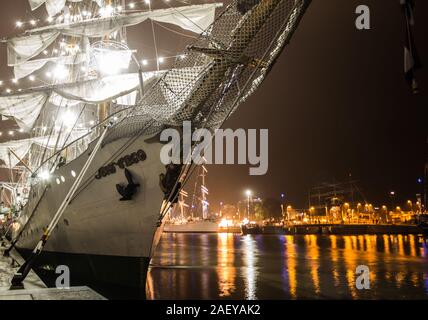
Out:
{"x": 231, "y": 266}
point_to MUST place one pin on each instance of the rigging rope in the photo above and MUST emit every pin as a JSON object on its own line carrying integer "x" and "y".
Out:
{"x": 259, "y": 64}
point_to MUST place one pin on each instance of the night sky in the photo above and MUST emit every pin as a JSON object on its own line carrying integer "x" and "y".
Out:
{"x": 336, "y": 103}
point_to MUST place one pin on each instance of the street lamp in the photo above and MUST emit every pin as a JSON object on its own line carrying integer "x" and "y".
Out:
{"x": 391, "y": 196}
{"x": 410, "y": 204}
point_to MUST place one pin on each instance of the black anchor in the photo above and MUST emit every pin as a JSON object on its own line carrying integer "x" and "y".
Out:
{"x": 127, "y": 192}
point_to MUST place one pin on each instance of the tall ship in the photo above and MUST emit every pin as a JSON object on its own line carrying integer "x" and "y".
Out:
{"x": 193, "y": 217}
{"x": 89, "y": 189}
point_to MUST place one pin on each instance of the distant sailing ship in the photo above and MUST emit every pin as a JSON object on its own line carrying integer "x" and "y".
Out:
{"x": 193, "y": 218}
{"x": 90, "y": 170}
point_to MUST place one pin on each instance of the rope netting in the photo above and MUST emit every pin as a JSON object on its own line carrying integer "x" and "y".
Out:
{"x": 219, "y": 71}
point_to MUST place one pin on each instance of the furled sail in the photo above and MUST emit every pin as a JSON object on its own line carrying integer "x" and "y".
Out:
{"x": 195, "y": 18}
{"x": 19, "y": 147}
{"x": 55, "y": 6}
{"x": 23, "y": 48}
{"x": 24, "y": 108}
{"x": 22, "y": 147}
{"x": 101, "y": 59}
{"x": 108, "y": 61}
{"x": 28, "y": 67}
{"x": 105, "y": 89}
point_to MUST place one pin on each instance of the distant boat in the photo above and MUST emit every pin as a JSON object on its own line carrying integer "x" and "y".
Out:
{"x": 251, "y": 228}
{"x": 199, "y": 226}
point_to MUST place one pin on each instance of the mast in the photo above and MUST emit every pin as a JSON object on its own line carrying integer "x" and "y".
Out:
{"x": 75, "y": 40}
{"x": 204, "y": 193}
{"x": 103, "y": 108}
{"x": 200, "y": 193}
{"x": 425, "y": 180}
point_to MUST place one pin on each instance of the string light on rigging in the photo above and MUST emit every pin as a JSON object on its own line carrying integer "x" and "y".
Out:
{"x": 106, "y": 11}
{"x": 44, "y": 175}
{"x": 60, "y": 72}
{"x": 19, "y": 24}
{"x": 68, "y": 119}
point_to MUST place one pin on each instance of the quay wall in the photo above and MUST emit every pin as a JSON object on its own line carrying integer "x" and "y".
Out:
{"x": 356, "y": 229}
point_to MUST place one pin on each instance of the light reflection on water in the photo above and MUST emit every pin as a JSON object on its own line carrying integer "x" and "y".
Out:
{"x": 231, "y": 266}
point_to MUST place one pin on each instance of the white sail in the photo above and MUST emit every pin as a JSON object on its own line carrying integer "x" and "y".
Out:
{"x": 55, "y": 6}
{"x": 105, "y": 89}
{"x": 28, "y": 67}
{"x": 23, "y": 108}
{"x": 128, "y": 100}
{"x": 22, "y": 147}
{"x": 195, "y": 18}
{"x": 109, "y": 60}
{"x": 23, "y": 48}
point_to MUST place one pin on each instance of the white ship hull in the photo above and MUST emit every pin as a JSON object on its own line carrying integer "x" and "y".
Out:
{"x": 192, "y": 227}
{"x": 99, "y": 237}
